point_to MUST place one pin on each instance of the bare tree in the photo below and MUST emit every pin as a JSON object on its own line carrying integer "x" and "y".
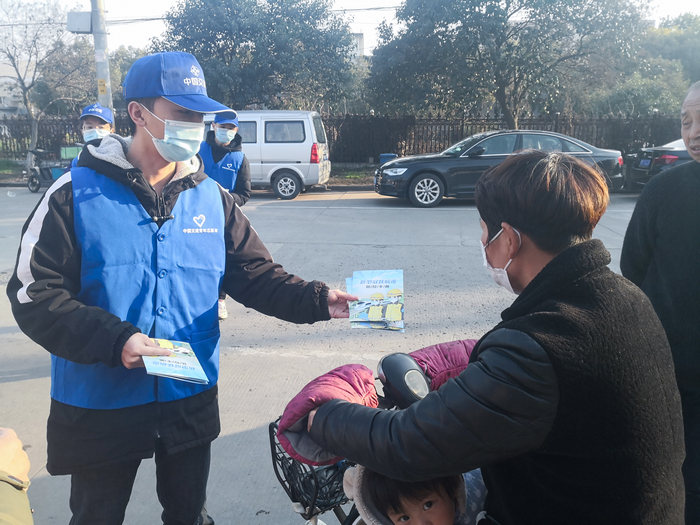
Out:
{"x": 46, "y": 68}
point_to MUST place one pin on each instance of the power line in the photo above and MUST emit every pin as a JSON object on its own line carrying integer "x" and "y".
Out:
{"x": 122, "y": 21}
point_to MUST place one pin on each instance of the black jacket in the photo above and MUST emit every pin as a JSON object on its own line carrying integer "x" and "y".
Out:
{"x": 43, "y": 289}
{"x": 569, "y": 406}
{"x": 241, "y": 191}
{"x": 661, "y": 255}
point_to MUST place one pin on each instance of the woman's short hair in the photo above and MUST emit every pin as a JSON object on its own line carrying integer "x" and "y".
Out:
{"x": 388, "y": 494}
{"x": 553, "y": 198}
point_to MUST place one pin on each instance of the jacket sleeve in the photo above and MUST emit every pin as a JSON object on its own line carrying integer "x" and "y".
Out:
{"x": 242, "y": 189}
{"x": 14, "y": 504}
{"x": 46, "y": 281}
{"x": 254, "y": 280}
{"x": 502, "y": 405}
{"x": 643, "y": 229}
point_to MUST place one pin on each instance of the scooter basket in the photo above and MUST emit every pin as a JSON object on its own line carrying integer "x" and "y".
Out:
{"x": 317, "y": 489}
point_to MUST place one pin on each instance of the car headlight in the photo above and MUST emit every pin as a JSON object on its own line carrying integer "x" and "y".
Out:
{"x": 393, "y": 172}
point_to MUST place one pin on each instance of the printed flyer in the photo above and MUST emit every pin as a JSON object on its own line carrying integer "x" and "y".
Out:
{"x": 181, "y": 364}
{"x": 381, "y": 303}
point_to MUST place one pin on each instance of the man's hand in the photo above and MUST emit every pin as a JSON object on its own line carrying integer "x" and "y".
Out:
{"x": 311, "y": 420}
{"x": 138, "y": 345}
{"x": 13, "y": 459}
{"x": 338, "y": 303}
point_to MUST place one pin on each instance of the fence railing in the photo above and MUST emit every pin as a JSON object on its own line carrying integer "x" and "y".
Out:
{"x": 362, "y": 138}
{"x": 54, "y": 132}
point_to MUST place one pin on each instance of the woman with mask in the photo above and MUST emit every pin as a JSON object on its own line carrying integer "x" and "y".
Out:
{"x": 569, "y": 405}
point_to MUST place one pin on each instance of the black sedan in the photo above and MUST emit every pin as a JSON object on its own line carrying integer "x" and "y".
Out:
{"x": 426, "y": 179}
{"x": 652, "y": 161}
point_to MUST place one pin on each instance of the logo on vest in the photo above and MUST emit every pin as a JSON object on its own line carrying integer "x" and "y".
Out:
{"x": 199, "y": 221}
{"x": 228, "y": 166}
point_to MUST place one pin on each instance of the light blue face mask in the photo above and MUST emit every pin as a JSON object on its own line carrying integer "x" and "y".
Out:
{"x": 96, "y": 133}
{"x": 181, "y": 140}
{"x": 224, "y": 136}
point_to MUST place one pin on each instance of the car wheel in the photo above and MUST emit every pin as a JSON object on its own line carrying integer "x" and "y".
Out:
{"x": 426, "y": 191}
{"x": 287, "y": 186}
{"x": 33, "y": 183}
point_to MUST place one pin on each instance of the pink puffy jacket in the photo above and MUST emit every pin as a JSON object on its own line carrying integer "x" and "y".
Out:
{"x": 355, "y": 383}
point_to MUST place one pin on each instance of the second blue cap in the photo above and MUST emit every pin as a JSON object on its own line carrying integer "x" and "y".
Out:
{"x": 98, "y": 111}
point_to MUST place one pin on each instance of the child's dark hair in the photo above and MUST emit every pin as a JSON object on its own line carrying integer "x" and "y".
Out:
{"x": 386, "y": 494}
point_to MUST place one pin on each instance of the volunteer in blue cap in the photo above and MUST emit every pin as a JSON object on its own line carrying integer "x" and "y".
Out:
{"x": 96, "y": 122}
{"x": 225, "y": 162}
{"x": 132, "y": 244}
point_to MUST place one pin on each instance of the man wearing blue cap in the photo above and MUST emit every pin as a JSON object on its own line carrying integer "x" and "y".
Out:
{"x": 224, "y": 161}
{"x": 132, "y": 244}
{"x": 223, "y": 157}
{"x": 96, "y": 122}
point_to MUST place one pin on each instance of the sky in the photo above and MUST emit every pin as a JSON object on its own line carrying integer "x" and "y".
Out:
{"x": 139, "y": 34}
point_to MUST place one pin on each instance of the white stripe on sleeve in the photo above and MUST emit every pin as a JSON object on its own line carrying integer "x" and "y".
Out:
{"x": 30, "y": 238}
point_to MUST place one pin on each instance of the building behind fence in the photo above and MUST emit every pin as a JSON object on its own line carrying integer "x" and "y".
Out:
{"x": 362, "y": 138}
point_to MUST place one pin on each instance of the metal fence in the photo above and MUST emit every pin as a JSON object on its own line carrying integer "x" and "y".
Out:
{"x": 362, "y": 138}
{"x": 54, "y": 132}
{"x": 359, "y": 138}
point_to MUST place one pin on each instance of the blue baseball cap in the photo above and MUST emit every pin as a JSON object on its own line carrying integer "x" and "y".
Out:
{"x": 176, "y": 77}
{"x": 227, "y": 117}
{"x": 98, "y": 111}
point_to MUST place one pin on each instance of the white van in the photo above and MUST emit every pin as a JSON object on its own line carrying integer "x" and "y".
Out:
{"x": 287, "y": 150}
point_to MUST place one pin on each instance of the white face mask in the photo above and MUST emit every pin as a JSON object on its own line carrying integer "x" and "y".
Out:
{"x": 224, "y": 135}
{"x": 95, "y": 133}
{"x": 181, "y": 140}
{"x": 500, "y": 275}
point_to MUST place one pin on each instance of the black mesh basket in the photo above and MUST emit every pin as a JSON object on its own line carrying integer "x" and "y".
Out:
{"x": 318, "y": 489}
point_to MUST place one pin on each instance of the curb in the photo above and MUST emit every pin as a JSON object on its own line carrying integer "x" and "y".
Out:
{"x": 313, "y": 189}
{"x": 359, "y": 187}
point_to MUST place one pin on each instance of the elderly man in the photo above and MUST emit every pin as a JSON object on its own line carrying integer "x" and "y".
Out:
{"x": 661, "y": 254}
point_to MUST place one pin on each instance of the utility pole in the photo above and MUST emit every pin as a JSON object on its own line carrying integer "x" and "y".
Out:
{"x": 93, "y": 22}
{"x": 99, "y": 33}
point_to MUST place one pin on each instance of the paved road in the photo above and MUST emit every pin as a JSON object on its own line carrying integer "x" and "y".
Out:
{"x": 264, "y": 362}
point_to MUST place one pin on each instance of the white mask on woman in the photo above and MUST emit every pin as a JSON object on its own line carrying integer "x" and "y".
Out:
{"x": 500, "y": 275}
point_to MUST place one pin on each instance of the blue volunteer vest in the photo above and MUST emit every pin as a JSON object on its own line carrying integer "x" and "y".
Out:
{"x": 163, "y": 280}
{"x": 226, "y": 170}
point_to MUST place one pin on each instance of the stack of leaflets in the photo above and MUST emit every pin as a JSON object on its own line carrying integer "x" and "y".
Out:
{"x": 181, "y": 364}
{"x": 381, "y": 299}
